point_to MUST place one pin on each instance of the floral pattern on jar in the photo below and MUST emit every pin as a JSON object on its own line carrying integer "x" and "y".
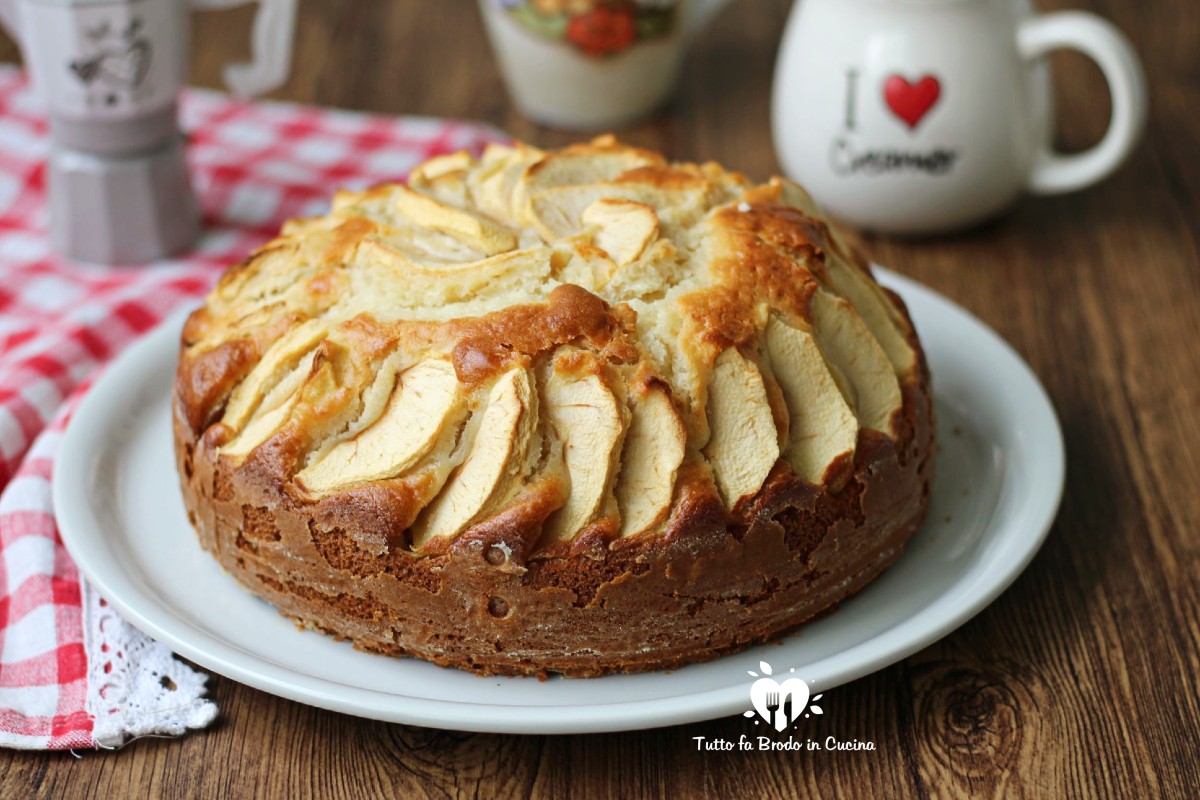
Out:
{"x": 596, "y": 28}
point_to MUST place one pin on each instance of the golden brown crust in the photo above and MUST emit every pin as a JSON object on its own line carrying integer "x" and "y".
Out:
{"x": 299, "y": 350}
{"x": 490, "y": 344}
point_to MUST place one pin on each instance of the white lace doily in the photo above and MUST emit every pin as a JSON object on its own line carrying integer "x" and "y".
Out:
{"x": 136, "y": 686}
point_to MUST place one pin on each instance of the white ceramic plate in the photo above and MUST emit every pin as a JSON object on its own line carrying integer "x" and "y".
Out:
{"x": 998, "y": 482}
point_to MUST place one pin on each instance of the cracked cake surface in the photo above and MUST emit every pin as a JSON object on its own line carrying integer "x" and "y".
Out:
{"x": 579, "y": 411}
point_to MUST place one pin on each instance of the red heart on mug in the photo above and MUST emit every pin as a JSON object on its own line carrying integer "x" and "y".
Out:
{"x": 911, "y": 101}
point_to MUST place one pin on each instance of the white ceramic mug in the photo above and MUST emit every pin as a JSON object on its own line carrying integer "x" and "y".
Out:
{"x": 921, "y": 116}
{"x": 592, "y": 64}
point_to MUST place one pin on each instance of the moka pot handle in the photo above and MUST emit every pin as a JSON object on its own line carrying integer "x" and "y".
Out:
{"x": 274, "y": 31}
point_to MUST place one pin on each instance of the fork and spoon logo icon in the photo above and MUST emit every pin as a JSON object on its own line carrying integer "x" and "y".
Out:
{"x": 780, "y": 703}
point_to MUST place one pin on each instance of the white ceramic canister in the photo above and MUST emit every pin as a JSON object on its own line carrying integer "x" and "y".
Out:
{"x": 592, "y": 64}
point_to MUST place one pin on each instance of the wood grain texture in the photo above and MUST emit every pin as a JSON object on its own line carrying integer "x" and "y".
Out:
{"x": 1082, "y": 680}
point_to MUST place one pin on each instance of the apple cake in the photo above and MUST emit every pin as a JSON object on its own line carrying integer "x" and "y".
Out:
{"x": 581, "y": 411}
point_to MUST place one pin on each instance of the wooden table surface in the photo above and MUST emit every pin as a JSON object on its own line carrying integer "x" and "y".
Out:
{"x": 1081, "y": 680}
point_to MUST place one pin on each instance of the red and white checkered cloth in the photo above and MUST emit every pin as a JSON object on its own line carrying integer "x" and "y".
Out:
{"x": 254, "y": 165}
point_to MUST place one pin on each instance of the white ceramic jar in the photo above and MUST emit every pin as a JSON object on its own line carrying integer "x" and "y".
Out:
{"x": 590, "y": 65}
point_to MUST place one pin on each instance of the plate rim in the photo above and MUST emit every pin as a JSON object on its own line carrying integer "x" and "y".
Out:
{"x": 82, "y": 534}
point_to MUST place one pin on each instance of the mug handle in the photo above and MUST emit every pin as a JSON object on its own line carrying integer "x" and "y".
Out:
{"x": 274, "y": 30}
{"x": 1104, "y": 43}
